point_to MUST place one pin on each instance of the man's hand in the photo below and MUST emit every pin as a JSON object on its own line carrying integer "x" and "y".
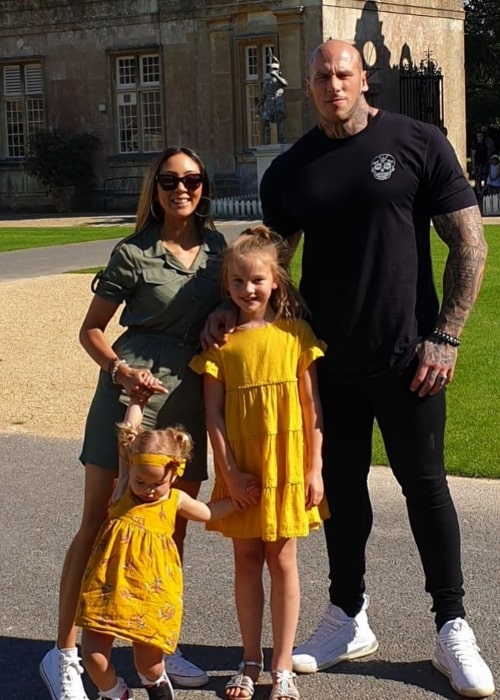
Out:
{"x": 435, "y": 369}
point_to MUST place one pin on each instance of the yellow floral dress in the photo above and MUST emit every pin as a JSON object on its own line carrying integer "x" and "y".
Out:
{"x": 260, "y": 369}
{"x": 132, "y": 587}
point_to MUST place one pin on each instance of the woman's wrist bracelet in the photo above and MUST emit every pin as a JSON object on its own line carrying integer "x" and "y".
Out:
{"x": 114, "y": 367}
{"x": 441, "y": 337}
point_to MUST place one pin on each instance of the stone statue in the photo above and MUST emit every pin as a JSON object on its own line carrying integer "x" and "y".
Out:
{"x": 271, "y": 105}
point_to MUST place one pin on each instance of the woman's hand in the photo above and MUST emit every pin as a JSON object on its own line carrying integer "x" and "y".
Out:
{"x": 221, "y": 321}
{"x": 139, "y": 383}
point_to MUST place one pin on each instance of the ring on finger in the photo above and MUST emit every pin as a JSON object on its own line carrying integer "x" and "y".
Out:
{"x": 442, "y": 379}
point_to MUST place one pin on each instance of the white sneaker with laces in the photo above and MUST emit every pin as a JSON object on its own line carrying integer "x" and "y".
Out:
{"x": 183, "y": 672}
{"x": 457, "y": 656}
{"x": 337, "y": 638}
{"x": 62, "y": 674}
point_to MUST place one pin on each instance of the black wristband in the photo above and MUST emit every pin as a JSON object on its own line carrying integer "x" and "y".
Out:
{"x": 441, "y": 337}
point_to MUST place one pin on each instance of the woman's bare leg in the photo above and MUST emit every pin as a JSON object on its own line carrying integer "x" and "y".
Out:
{"x": 98, "y": 489}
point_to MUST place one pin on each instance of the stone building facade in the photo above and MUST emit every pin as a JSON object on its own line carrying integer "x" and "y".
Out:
{"x": 144, "y": 73}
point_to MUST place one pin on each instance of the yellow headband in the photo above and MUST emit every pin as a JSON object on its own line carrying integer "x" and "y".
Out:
{"x": 148, "y": 459}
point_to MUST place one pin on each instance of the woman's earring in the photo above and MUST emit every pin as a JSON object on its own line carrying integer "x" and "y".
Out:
{"x": 208, "y": 206}
{"x": 154, "y": 213}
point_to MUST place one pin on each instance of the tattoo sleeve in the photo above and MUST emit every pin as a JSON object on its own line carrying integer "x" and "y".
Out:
{"x": 463, "y": 233}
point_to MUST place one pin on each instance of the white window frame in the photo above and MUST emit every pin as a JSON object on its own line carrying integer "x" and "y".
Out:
{"x": 139, "y": 123}
{"x": 261, "y": 50}
{"x": 23, "y": 106}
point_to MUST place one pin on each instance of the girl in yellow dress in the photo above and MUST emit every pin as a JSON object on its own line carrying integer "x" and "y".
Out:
{"x": 132, "y": 587}
{"x": 264, "y": 420}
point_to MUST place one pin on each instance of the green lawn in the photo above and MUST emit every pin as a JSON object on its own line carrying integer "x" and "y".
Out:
{"x": 33, "y": 237}
{"x": 472, "y": 435}
{"x": 473, "y": 445}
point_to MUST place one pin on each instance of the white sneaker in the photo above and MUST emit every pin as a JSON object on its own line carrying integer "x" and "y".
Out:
{"x": 457, "y": 656}
{"x": 337, "y": 638}
{"x": 183, "y": 672}
{"x": 62, "y": 674}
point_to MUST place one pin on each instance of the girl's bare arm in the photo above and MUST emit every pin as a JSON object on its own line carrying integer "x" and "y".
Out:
{"x": 312, "y": 417}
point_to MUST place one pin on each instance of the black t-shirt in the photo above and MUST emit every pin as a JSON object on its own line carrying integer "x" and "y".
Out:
{"x": 364, "y": 204}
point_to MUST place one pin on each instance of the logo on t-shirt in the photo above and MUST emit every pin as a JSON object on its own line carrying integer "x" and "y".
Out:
{"x": 382, "y": 166}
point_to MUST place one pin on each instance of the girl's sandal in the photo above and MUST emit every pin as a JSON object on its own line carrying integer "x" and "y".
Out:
{"x": 243, "y": 682}
{"x": 285, "y": 688}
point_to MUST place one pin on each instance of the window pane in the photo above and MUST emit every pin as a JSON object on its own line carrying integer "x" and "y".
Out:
{"x": 125, "y": 71}
{"x": 127, "y": 124}
{"x": 251, "y": 60}
{"x": 150, "y": 70}
{"x": 253, "y": 119}
{"x": 36, "y": 114}
{"x": 15, "y": 128}
{"x": 267, "y": 54}
{"x": 152, "y": 137}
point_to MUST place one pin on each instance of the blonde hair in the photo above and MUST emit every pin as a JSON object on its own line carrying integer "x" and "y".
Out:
{"x": 286, "y": 300}
{"x": 148, "y": 209}
{"x": 173, "y": 443}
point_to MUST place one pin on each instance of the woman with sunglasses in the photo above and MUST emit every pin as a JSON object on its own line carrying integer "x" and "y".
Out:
{"x": 166, "y": 274}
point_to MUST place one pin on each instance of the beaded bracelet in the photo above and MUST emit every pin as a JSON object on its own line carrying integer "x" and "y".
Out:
{"x": 440, "y": 336}
{"x": 113, "y": 370}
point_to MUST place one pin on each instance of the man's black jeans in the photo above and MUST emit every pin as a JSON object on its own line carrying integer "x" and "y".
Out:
{"x": 413, "y": 433}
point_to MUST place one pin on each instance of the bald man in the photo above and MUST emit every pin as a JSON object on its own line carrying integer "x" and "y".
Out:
{"x": 362, "y": 187}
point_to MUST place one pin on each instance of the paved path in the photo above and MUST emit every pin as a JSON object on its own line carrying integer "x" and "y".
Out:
{"x": 53, "y": 260}
{"x": 39, "y": 475}
{"x": 38, "y": 262}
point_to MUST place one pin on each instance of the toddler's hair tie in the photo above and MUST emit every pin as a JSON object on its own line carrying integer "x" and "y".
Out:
{"x": 149, "y": 459}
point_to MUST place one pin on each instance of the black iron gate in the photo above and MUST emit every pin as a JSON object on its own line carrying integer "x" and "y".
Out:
{"x": 421, "y": 91}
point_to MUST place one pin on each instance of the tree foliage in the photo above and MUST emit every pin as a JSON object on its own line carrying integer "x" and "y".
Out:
{"x": 61, "y": 158}
{"x": 482, "y": 61}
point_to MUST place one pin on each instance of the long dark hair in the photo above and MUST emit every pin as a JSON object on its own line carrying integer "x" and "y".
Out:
{"x": 148, "y": 202}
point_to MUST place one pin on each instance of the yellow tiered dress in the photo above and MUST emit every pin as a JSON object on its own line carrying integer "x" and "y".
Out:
{"x": 260, "y": 369}
{"x": 132, "y": 587}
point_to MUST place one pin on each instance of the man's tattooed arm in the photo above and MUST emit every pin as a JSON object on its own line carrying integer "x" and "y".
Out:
{"x": 463, "y": 233}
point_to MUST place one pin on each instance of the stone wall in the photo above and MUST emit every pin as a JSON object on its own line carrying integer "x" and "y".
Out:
{"x": 200, "y": 44}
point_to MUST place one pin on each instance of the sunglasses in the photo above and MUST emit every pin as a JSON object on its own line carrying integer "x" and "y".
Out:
{"x": 170, "y": 182}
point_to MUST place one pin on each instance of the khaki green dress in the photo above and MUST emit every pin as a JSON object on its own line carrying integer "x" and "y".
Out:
{"x": 165, "y": 308}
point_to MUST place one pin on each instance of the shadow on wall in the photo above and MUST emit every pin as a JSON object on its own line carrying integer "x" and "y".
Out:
{"x": 412, "y": 86}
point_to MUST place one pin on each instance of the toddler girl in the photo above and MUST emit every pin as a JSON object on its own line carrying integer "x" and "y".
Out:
{"x": 264, "y": 421}
{"x": 132, "y": 587}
